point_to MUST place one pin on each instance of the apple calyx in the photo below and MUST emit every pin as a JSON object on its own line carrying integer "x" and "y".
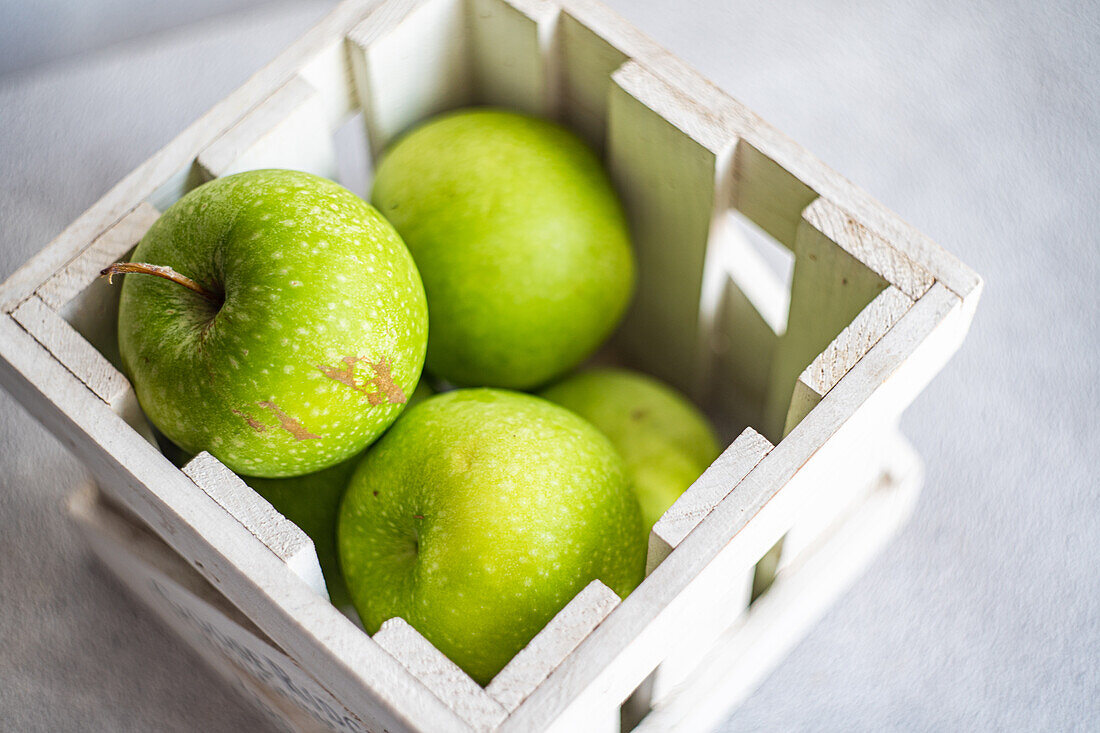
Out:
{"x": 142, "y": 268}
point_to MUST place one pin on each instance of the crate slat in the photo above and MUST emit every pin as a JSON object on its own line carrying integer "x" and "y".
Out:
{"x": 410, "y": 60}
{"x": 221, "y": 634}
{"x": 825, "y": 219}
{"x": 671, "y": 183}
{"x": 289, "y": 543}
{"x": 107, "y": 248}
{"x": 440, "y": 675}
{"x": 289, "y": 129}
{"x": 701, "y": 497}
{"x": 80, "y": 357}
{"x": 552, "y": 644}
{"x": 829, "y": 288}
{"x": 747, "y": 652}
{"x": 844, "y": 351}
{"x": 513, "y": 63}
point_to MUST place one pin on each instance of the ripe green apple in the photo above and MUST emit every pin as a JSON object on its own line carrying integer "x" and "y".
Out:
{"x": 479, "y": 515}
{"x": 285, "y": 328}
{"x": 664, "y": 440}
{"x": 520, "y": 239}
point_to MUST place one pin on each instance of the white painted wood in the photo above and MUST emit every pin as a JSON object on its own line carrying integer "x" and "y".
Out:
{"x": 440, "y": 675}
{"x": 513, "y": 64}
{"x": 225, "y": 638}
{"x": 729, "y": 596}
{"x": 65, "y": 344}
{"x": 289, "y": 543}
{"x": 701, "y": 497}
{"x": 329, "y": 73}
{"x": 410, "y": 60}
{"x": 289, "y": 129}
{"x": 669, "y": 182}
{"x": 552, "y": 644}
{"x": 747, "y": 653}
{"x": 727, "y": 602}
{"x": 829, "y": 288}
{"x": 586, "y": 61}
{"x": 772, "y": 197}
{"x": 844, "y": 351}
{"x": 87, "y": 302}
{"x": 835, "y": 225}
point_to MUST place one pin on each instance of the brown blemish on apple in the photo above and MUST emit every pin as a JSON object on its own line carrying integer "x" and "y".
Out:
{"x": 287, "y": 423}
{"x": 385, "y": 390}
{"x": 253, "y": 423}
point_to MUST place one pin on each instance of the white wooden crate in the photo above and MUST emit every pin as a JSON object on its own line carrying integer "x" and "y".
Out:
{"x": 813, "y": 377}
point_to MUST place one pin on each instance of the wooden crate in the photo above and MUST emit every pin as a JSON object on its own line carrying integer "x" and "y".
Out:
{"x": 810, "y": 377}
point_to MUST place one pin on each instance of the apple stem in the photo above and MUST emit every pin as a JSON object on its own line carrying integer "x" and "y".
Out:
{"x": 141, "y": 268}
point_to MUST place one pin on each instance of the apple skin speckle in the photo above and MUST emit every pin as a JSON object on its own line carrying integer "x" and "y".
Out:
{"x": 202, "y": 372}
{"x": 479, "y": 515}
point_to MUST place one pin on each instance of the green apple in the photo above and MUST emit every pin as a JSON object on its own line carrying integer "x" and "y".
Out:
{"x": 520, "y": 239}
{"x": 285, "y": 328}
{"x": 664, "y": 440}
{"x": 479, "y": 515}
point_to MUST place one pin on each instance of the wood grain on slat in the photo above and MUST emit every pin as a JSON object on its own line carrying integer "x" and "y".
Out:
{"x": 289, "y": 129}
{"x": 108, "y": 247}
{"x": 69, "y": 348}
{"x": 279, "y": 534}
{"x": 220, "y": 633}
{"x": 439, "y": 674}
{"x": 869, "y": 248}
{"x": 701, "y": 497}
{"x": 829, "y": 287}
{"x": 669, "y": 182}
{"x": 410, "y": 60}
{"x": 844, "y": 351}
{"x": 552, "y": 644}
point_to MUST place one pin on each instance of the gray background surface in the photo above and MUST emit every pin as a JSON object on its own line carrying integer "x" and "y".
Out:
{"x": 976, "y": 121}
